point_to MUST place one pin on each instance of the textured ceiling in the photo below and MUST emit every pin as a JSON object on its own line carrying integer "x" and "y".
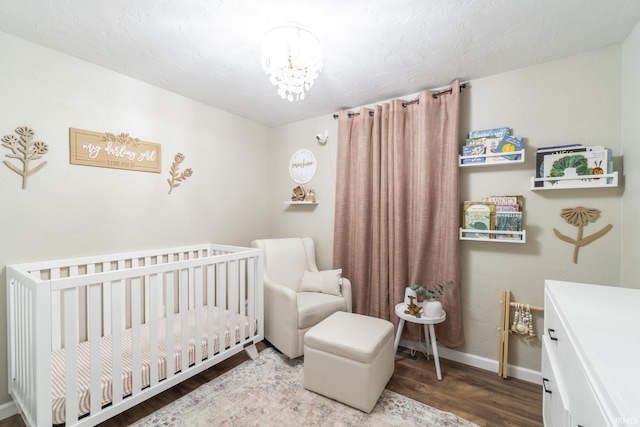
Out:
{"x": 209, "y": 50}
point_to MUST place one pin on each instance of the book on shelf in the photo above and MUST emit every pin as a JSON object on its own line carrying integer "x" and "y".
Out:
{"x": 473, "y": 150}
{"x": 505, "y": 202}
{"x": 508, "y": 221}
{"x": 557, "y": 149}
{"x": 507, "y": 207}
{"x": 497, "y": 140}
{"x": 594, "y": 161}
{"x": 489, "y": 144}
{"x": 554, "y": 148}
{"x": 478, "y": 216}
{"x": 609, "y": 163}
{"x": 489, "y": 133}
{"x": 509, "y": 144}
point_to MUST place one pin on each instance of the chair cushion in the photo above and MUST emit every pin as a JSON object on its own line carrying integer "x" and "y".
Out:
{"x": 315, "y": 306}
{"x": 327, "y": 281}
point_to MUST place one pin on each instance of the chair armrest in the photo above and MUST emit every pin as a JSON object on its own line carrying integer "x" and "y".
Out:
{"x": 280, "y": 303}
{"x": 345, "y": 289}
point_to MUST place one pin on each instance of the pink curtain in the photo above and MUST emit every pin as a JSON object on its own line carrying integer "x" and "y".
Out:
{"x": 396, "y": 219}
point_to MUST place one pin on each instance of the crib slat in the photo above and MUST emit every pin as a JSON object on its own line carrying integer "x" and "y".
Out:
{"x": 197, "y": 279}
{"x": 242, "y": 300}
{"x": 40, "y": 377}
{"x": 95, "y": 324}
{"x": 106, "y": 301}
{"x": 154, "y": 286}
{"x": 122, "y": 301}
{"x": 251, "y": 295}
{"x": 136, "y": 356}
{"x": 116, "y": 343}
{"x": 169, "y": 293}
{"x": 210, "y": 271}
{"x": 71, "y": 354}
{"x": 222, "y": 303}
{"x": 232, "y": 285}
{"x": 147, "y": 262}
{"x": 56, "y": 313}
{"x": 184, "y": 316}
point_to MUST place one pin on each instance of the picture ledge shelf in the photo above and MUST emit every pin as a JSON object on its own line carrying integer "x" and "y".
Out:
{"x": 522, "y": 234}
{"x": 613, "y": 177}
{"x": 300, "y": 203}
{"x": 493, "y": 162}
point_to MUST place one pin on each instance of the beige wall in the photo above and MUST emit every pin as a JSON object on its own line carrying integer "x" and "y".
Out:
{"x": 630, "y": 269}
{"x": 571, "y": 100}
{"x": 315, "y": 221}
{"x": 70, "y": 210}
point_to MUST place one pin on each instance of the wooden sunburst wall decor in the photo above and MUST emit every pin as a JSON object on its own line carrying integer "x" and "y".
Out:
{"x": 580, "y": 217}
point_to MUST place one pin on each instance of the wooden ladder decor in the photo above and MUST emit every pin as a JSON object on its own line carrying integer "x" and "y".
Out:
{"x": 505, "y": 330}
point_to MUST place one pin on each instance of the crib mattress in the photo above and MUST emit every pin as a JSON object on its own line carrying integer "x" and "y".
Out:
{"x": 84, "y": 380}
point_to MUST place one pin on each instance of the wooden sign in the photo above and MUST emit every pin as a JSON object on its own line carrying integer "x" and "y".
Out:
{"x": 107, "y": 150}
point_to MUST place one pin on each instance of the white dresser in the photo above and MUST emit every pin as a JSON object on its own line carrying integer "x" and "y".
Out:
{"x": 591, "y": 355}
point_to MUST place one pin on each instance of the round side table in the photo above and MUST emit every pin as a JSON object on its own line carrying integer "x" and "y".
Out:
{"x": 429, "y": 331}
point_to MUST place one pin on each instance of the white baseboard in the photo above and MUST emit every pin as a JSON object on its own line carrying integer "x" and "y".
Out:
{"x": 477, "y": 361}
{"x": 7, "y": 410}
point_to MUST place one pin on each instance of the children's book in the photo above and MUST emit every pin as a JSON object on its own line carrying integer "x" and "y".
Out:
{"x": 575, "y": 164}
{"x": 545, "y": 151}
{"x": 478, "y": 216}
{"x": 473, "y": 150}
{"x": 489, "y": 133}
{"x": 509, "y": 144}
{"x": 508, "y": 221}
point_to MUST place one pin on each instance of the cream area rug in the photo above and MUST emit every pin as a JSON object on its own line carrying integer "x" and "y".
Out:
{"x": 268, "y": 391}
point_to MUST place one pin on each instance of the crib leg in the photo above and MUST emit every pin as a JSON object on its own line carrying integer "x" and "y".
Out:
{"x": 252, "y": 351}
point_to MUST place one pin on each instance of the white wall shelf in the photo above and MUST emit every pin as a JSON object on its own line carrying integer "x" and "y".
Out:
{"x": 492, "y": 161}
{"x": 300, "y": 203}
{"x": 522, "y": 234}
{"x": 606, "y": 180}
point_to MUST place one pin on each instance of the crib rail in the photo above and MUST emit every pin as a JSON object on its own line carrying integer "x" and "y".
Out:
{"x": 64, "y": 304}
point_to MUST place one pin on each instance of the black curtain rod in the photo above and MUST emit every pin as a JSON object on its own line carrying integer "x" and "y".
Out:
{"x": 415, "y": 101}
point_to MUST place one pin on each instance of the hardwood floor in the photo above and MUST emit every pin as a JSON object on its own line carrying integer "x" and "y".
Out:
{"x": 474, "y": 394}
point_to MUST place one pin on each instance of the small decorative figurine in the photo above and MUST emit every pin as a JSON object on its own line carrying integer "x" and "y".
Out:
{"x": 412, "y": 308}
{"x": 311, "y": 196}
{"x": 298, "y": 194}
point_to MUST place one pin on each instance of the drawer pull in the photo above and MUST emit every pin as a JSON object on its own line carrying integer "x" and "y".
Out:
{"x": 544, "y": 385}
{"x": 551, "y": 334}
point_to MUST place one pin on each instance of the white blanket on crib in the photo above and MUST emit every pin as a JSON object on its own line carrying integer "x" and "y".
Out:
{"x": 84, "y": 380}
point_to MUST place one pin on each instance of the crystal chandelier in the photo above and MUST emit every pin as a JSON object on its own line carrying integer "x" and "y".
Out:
{"x": 292, "y": 58}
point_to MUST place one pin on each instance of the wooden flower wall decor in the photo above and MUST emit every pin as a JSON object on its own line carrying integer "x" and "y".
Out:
{"x": 25, "y": 150}
{"x": 176, "y": 176}
{"x": 580, "y": 217}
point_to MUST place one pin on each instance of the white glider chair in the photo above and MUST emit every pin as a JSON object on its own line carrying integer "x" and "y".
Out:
{"x": 296, "y": 295}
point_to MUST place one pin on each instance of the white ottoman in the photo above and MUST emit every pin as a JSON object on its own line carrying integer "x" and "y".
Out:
{"x": 350, "y": 358}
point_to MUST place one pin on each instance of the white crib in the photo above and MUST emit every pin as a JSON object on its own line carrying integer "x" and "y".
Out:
{"x": 92, "y": 337}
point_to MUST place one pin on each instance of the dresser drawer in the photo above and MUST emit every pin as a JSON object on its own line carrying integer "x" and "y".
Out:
{"x": 558, "y": 340}
{"x": 586, "y": 410}
{"x": 555, "y": 411}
